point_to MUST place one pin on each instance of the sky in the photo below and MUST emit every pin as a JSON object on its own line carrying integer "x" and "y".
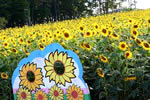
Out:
{"x": 141, "y": 4}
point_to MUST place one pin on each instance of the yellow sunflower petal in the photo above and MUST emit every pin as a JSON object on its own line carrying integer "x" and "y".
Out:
{"x": 69, "y": 68}
{"x": 68, "y": 61}
{"x": 57, "y": 79}
{"x": 66, "y": 78}
{"x": 48, "y": 68}
{"x": 60, "y": 56}
{"x": 48, "y": 63}
{"x": 27, "y": 66}
{"x": 69, "y": 75}
{"x": 52, "y": 76}
{"x": 49, "y": 73}
{"x": 55, "y": 55}
{"x": 62, "y": 80}
{"x": 64, "y": 58}
{"x": 51, "y": 58}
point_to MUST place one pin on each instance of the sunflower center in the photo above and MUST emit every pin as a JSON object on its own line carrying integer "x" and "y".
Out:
{"x": 149, "y": 21}
{"x": 74, "y": 94}
{"x": 66, "y": 35}
{"x": 87, "y": 45}
{"x": 5, "y": 44}
{"x": 4, "y": 75}
{"x": 30, "y": 76}
{"x": 146, "y": 45}
{"x": 59, "y": 67}
{"x": 13, "y": 50}
{"x": 56, "y": 93}
{"x": 88, "y": 33}
{"x": 134, "y": 32}
{"x": 23, "y": 95}
{"x": 103, "y": 58}
{"x": 127, "y": 54}
{"x": 114, "y": 35}
{"x": 123, "y": 45}
{"x": 135, "y": 26}
{"x": 81, "y": 28}
{"x": 40, "y": 97}
{"x": 104, "y": 30}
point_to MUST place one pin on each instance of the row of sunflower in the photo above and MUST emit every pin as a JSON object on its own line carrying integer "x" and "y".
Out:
{"x": 114, "y": 50}
{"x": 54, "y": 93}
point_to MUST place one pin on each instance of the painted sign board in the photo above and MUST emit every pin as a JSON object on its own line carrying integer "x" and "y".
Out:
{"x": 52, "y": 74}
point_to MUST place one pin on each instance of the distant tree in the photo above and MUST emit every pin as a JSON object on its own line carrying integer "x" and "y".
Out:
{"x": 19, "y": 12}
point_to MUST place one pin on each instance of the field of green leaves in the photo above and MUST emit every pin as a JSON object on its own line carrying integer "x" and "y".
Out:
{"x": 114, "y": 50}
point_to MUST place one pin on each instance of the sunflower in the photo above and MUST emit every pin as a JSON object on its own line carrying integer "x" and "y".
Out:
{"x": 21, "y": 41}
{"x": 134, "y": 33}
{"x": 100, "y": 72}
{"x": 14, "y": 50}
{"x": 40, "y": 95}
{"x": 87, "y": 46}
{"x": 23, "y": 94}
{"x": 59, "y": 67}
{"x": 138, "y": 41}
{"x": 30, "y": 76}
{"x": 104, "y": 32}
{"x": 135, "y": 26}
{"x": 6, "y": 44}
{"x": 103, "y": 58}
{"x": 88, "y": 34}
{"x": 4, "y": 75}
{"x": 123, "y": 46}
{"x": 146, "y": 45}
{"x": 130, "y": 78}
{"x": 41, "y": 46}
{"x": 114, "y": 36}
{"x": 128, "y": 54}
{"x": 75, "y": 93}
{"x": 56, "y": 93}
{"x": 67, "y": 35}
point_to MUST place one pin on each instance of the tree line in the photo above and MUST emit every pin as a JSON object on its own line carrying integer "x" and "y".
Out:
{"x": 20, "y": 12}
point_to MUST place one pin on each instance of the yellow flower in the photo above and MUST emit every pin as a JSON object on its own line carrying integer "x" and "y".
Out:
{"x": 30, "y": 76}
{"x": 4, "y": 75}
{"x": 87, "y": 46}
{"x": 56, "y": 93}
{"x": 23, "y": 94}
{"x": 59, "y": 67}
{"x": 128, "y": 54}
{"x": 67, "y": 35}
{"x": 41, "y": 46}
{"x": 99, "y": 72}
{"x": 134, "y": 33}
{"x": 103, "y": 58}
{"x": 6, "y": 44}
{"x": 146, "y": 45}
{"x": 114, "y": 36}
{"x": 130, "y": 78}
{"x": 21, "y": 41}
{"x": 74, "y": 93}
{"x": 123, "y": 46}
{"x": 88, "y": 34}
{"x": 14, "y": 50}
{"x": 104, "y": 31}
{"x": 40, "y": 95}
{"x": 138, "y": 41}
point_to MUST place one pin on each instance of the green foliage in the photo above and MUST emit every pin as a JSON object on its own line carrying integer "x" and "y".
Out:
{"x": 3, "y": 22}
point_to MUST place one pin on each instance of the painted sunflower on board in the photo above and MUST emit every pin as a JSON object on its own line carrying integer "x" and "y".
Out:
{"x": 56, "y": 93}
{"x": 23, "y": 94}
{"x": 59, "y": 67}
{"x": 40, "y": 95}
{"x": 74, "y": 93}
{"x": 30, "y": 76}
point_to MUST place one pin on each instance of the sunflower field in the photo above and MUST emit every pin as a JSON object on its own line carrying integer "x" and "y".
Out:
{"x": 114, "y": 50}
